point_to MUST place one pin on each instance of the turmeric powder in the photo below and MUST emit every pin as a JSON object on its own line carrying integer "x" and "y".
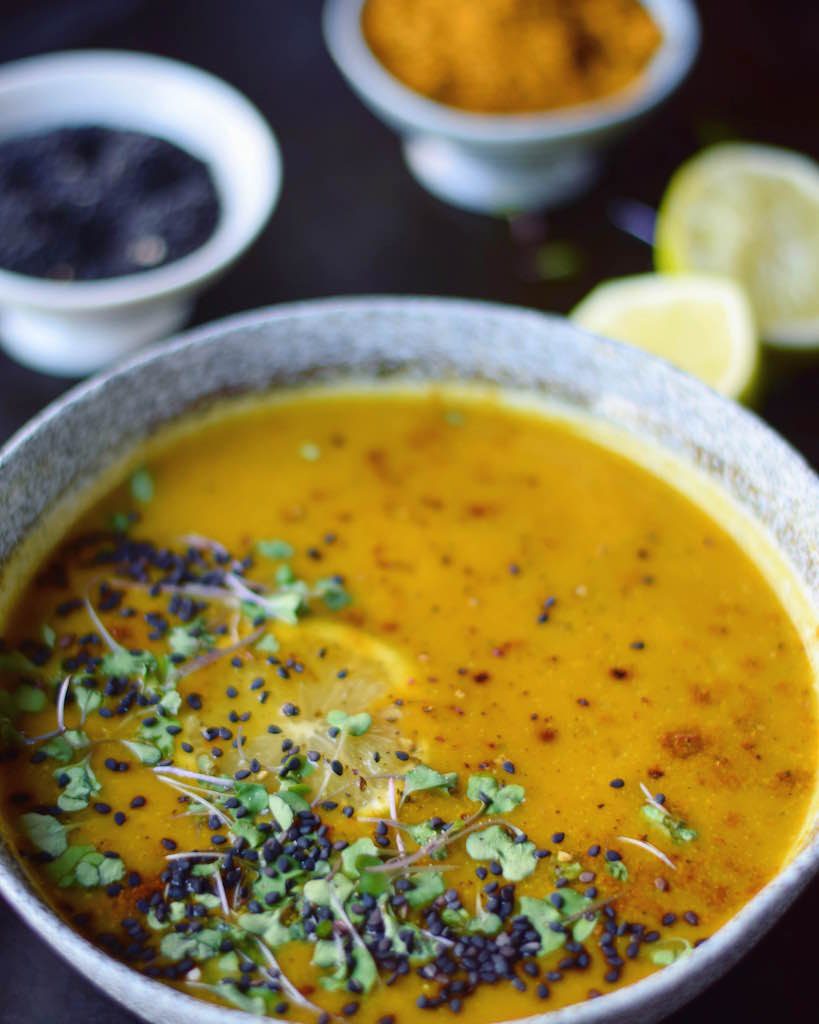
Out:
{"x": 511, "y": 56}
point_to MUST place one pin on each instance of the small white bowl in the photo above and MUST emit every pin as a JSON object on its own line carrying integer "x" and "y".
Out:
{"x": 504, "y": 163}
{"x": 71, "y": 328}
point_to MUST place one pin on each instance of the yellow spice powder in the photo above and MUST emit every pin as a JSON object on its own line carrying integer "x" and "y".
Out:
{"x": 512, "y": 56}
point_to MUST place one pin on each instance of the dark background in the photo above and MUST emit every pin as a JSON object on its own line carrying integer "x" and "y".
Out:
{"x": 351, "y": 220}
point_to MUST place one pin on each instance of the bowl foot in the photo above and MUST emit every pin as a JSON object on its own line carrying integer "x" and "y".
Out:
{"x": 493, "y": 185}
{"x": 74, "y": 346}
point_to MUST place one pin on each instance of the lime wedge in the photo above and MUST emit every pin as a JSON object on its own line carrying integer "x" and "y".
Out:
{"x": 701, "y": 324}
{"x": 751, "y": 213}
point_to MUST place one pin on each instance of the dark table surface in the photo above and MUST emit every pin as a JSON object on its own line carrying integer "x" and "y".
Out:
{"x": 351, "y": 220}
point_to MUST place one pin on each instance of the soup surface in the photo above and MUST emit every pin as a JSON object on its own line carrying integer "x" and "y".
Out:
{"x": 374, "y": 706}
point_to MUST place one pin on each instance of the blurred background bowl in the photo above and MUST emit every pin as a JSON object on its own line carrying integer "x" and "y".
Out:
{"x": 498, "y": 164}
{"x": 72, "y": 328}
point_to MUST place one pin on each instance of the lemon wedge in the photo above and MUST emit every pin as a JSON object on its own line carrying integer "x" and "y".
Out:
{"x": 751, "y": 213}
{"x": 339, "y": 703}
{"x": 702, "y": 325}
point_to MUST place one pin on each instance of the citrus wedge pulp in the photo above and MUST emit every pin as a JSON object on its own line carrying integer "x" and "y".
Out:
{"x": 751, "y": 213}
{"x": 702, "y": 325}
{"x": 337, "y": 700}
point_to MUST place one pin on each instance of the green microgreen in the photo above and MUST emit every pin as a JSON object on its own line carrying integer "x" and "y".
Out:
{"x": 363, "y": 847}
{"x": 156, "y": 734}
{"x": 274, "y": 549}
{"x": 517, "y": 859}
{"x": 147, "y": 753}
{"x": 675, "y": 828}
{"x": 354, "y": 725}
{"x": 617, "y": 869}
{"x": 80, "y": 785}
{"x": 63, "y": 747}
{"x": 88, "y": 700}
{"x": 426, "y": 887}
{"x": 128, "y": 664}
{"x": 29, "y": 699}
{"x": 86, "y": 867}
{"x": 422, "y": 777}
{"x": 45, "y": 832}
{"x": 190, "y": 640}
{"x": 333, "y": 593}
{"x": 252, "y": 796}
{"x": 16, "y": 661}
{"x": 497, "y": 798}
{"x": 268, "y": 644}
{"x": 669, "y": 951}
{"x": 142, "y": 486}
{"x": 269, "y": 927}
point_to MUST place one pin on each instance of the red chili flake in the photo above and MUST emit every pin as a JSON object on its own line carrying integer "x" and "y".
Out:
{"x": 619, "y": 673}
{"x": 547, "y": 735}
{"x": 481, "y": 677}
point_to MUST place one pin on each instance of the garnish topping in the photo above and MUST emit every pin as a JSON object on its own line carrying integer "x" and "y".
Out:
{"x": 288, "y": 856}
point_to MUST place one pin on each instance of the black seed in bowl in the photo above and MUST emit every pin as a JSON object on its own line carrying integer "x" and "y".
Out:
{"x": 86, "y": 203}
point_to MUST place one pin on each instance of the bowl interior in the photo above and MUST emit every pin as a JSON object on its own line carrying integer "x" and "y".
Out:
{"x": 160, "y": 97}
{"x": 760, "y": 477}
{"x": 412, "y": 111}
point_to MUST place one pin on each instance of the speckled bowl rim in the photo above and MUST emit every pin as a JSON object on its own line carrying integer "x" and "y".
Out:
{"x": 429, "y": 339}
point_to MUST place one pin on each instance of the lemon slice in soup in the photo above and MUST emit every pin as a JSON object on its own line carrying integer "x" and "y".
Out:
{"x": 335, "y": 697}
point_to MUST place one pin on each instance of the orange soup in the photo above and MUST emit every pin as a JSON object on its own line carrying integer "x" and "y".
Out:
{"x": 367, "y": 706}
